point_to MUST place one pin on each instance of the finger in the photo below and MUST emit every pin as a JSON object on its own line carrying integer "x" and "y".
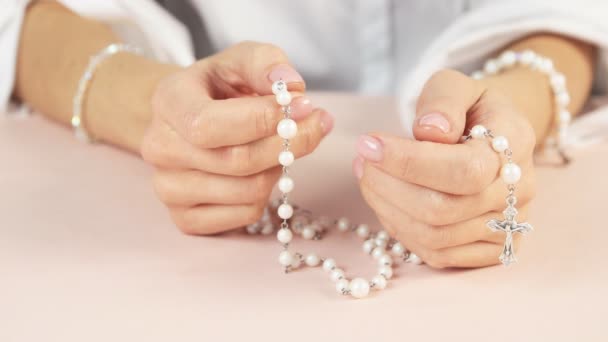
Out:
{"x": 442, "y": 107}
{"x": 409, "y": 230}
{"x": 439, "y": 208}
{"x": 186, "y": 188}
{"x": 476, "y": 254}
{"x": 212, "y": 218}
{"x": 457, "y": 169}
{"x": 254, "y": 66}
{"x": 216, "y": 123}
{"x": 164, "y": 148}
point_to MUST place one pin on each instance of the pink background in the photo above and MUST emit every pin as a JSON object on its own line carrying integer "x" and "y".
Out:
{"x": 87, "y": 253}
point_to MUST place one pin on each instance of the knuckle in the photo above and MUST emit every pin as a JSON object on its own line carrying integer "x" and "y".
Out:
{"x": 198, "y": 127}
{"x": 261, "y": 189}
{"x": 435, "y": 238}
{"x": 241, "y": 160}
{"x": 475, "y": 174}
{"x": 264, "y": 121}
{"x": 439, "y": 209}
{"x": 163, "y": 189}
{"x": 405, "y": 163}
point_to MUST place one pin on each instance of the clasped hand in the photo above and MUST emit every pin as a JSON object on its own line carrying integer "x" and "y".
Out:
{"x": 214, "y": 146}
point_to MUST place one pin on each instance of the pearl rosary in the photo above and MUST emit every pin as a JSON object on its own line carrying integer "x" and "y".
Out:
{"x": 379, "y": 245}
{"x": 384, "y": 249}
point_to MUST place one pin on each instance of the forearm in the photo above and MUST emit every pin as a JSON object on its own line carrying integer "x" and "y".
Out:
{"x": 530, "y": 90}
{"x": 54, "y": 51}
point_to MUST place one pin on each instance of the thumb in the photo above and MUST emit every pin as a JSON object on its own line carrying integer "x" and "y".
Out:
{"x": 441, "y": 111}
{"x": 253, "y": 67}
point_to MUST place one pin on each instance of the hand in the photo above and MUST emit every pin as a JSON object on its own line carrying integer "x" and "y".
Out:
{"x": 213, "y": 137}
{"x": 434, "y": 194}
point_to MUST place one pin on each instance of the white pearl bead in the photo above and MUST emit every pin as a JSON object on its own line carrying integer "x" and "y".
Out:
{"x": 536, "y": 63}
{"x": 379, "y": 282}
{"x": 562, "y": 98}
{"x": 386, "y": 271}
{"x": 359, "y": 288}
{"x": 477, "y": 75}
{"x": 286, "y": 158}
{"x": 284, "y": 235}
{"x": 283, "y": 98}
{"x": 385, "y": 260}
{"x": 286, "y": 184}
{"x": 368, "y": 246}
{"x": 279, "y": 87}
{"x": 329, "y": 264}
{"x": 342, "y": 286}
{"x": 312, "y": 260}
{"x": 527, "y": 57}
{"x": 414, "y": 259}
{"x": 478, "y": 131}
{"x": 287, "y": 128}
{"x": 285, "y": 258}
{"x": 382, "y": 235}
{"x": 546, "y": 65}
{"x": 564, "y": 117}
{"x": 296, "y": 262}
{"x": 285, "y": 211}
{"x": 377, "y": 252}
{"x": 308, "y": 233}
{"x": 398, "y": 249}
{"x": 363, "y": 231}
{"x": 380, "y": 242}
{"x": 343, "y": 224}
{"x": 253, "y": 228}
{"x": 491, "y": 67}
{"x": 336, "y": 274}
{"x": 267, "y": 229}
{"x": 558, "y": 82}
{"x": 508, "y": 58}
{"x": 510, "y": 173}
{"x": 500, "y": 144}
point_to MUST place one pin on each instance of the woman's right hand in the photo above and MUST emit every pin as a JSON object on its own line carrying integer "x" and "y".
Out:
{"x": 213, "y": 136}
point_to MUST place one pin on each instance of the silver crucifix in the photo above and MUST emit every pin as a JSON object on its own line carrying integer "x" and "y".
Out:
{"x": 509, "y": 226}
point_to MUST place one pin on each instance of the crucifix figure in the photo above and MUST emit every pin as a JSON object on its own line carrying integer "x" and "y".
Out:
{"x": 509, "y": 226}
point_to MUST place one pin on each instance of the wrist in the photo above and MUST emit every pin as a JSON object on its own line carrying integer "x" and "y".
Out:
{"x": 531, "y": 94}
{"x": 117, "y": 109}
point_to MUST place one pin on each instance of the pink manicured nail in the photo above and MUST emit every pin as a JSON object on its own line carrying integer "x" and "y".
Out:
{"x": 301, "y": 107}
{"x": 369, "y": 148}
{"x": 434, "y": 120}
{"x": 286, "y": 73}
{"x": 358, "y": 167}
{"x": 327, "y": 122}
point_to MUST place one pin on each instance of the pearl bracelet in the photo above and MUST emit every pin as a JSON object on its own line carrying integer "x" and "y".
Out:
{"x": 557, "y": 80}
{"x": 293, "y": 220}
{"x": 77, "y": 103}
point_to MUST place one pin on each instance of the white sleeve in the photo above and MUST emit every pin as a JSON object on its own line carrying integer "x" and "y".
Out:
{"x": 11, "y": 18}
{"x": 134, "y": 21}
{"x": 490, "y": 25}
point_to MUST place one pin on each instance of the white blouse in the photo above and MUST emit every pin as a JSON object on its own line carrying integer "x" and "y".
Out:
{"x": 371, "y": 47}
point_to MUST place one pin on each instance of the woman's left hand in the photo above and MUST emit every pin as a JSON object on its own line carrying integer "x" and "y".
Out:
{"x": 434, "y": 194}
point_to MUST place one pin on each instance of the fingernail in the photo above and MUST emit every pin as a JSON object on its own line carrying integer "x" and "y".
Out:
{"x": 434, "y": 120}
{"x": 327, "y": 122}
{"x": 301, "y": 107}
{"x": 358, "y": 167}
{"x": 369, "y": 148}
{"x": 286, "y": 73}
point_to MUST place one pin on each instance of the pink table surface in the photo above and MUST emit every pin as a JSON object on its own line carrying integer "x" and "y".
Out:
{"x": 87, "y": 253}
